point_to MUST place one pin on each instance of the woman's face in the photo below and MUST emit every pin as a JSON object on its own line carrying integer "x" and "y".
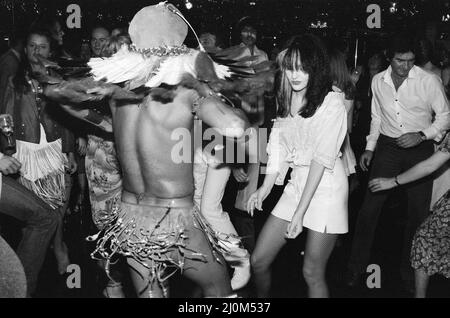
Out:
{"x": 37, "y": 45}
{"x": 297, "y": 78}
{"x": 58, "y": 33}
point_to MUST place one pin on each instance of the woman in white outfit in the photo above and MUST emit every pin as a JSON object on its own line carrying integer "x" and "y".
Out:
{"x": 307, "y": 135}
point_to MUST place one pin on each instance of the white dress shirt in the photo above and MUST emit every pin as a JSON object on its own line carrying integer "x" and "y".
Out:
{"x": 409, "y": 109}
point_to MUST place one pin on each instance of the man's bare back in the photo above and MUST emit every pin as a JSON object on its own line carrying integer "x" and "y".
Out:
{"x": 144, "y": 144}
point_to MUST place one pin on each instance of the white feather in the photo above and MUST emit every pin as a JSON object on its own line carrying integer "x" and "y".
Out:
{"x": 123, "y": 66}
{"x": 222, "y": 71}
{"x": 172, "y": 69}
{"x": 128, "y": 65}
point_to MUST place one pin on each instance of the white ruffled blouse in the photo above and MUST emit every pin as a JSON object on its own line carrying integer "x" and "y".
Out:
{"x": 296, "y": 141}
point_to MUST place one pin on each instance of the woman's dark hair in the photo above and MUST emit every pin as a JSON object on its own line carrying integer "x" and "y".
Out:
{"x": 19, "y": 80}
{"x": 308, "y": 53}
{"x": 339, "y": 73}
{"x": 402, "y": 43}
{"x": 48, "y": 23}
{"x": 424, "y": 52}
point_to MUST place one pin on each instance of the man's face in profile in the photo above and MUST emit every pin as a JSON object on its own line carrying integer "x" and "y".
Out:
{"x": 208, "y": 41}
{"x": 248, "y": 35}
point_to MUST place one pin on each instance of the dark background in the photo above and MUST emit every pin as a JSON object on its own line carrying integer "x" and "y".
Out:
{"x": 276, "y": 19}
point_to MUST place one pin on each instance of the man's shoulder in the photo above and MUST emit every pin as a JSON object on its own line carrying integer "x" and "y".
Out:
{"x": 426, "y": 76}
{"x": 9, "y": 56}
{"x": 261, "y": 53}
{"x": 379, "y": 76}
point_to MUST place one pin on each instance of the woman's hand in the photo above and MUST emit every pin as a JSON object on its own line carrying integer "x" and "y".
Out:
{"x": 256, "y": 199}
{"x": 295, "y": 227}
{"x": 82, "y": 146}
{"x": 9, "y": 165}
{"x": 380, "y": 184}
{"x": 240, "y": 175}
{"x": 72, "y": 163}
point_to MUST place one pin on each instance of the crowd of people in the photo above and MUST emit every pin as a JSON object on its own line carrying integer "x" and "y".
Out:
{"x": 303, "y": 119}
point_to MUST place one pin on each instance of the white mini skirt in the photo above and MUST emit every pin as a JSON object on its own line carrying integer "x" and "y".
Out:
{"x": 328, "y": 210}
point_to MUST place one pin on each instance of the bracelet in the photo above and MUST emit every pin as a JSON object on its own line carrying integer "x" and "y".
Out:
{"x": 196, "y": 106}
{"x": 200, "y": 99}
{"x": 396, "y": 181}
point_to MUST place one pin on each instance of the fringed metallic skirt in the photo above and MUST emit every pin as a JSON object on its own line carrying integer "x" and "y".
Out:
{"x": 156, "y": 237}
{"x": 43, "y": 170}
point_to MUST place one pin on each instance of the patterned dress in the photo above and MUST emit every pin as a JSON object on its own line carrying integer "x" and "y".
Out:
{"x": 430, "y": 251}
{"x": 105, "y": 180}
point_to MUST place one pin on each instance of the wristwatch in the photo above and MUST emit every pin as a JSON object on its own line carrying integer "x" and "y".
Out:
{"x": 422, "y": 135}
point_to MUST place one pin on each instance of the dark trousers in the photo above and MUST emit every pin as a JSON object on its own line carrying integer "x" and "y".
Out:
{"x": 245, "y": 227}
{"x": 40, "y": 225}
{"x": 390, "y": 160}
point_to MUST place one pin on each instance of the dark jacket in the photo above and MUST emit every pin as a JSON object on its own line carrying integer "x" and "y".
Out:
{"x": 9, "y": 63}
{"x": 28, "y": 113}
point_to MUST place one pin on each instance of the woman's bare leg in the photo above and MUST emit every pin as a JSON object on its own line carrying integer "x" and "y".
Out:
{"x": 269, "y": 243}
{"x": 421, "y": 282}
{"x": 318, "y": 250}
{"x": 59, "y": 247}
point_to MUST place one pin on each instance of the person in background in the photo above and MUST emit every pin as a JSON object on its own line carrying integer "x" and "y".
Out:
{"x": 39, "y": 220}
{"x": 210, "y": 41}
{"x": 430, "y": 251}
{"x": 424, "y": 59}
{"x": 210, "y": 179}
{"x": 45, "y": 147}
{"x": 342, "y": 83}
{"x": 248, "y": 176}
{"x": 99, "y": 38}
{"x": 409, "y": 111}
{"x": 55, "y": 27}
{"x": 363, "y": 99}
{"x": 102, "y": 167}
{"x": 10, "y": 61}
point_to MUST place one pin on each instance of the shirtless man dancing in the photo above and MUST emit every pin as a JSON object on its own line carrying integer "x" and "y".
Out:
{"x": 158, "y": 229}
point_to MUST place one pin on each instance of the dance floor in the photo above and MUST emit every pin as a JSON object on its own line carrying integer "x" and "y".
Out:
{"x": 287, "y": 278}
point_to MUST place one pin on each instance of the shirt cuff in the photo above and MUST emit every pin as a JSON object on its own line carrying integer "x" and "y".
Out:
{"x": 371, "y": 145}
{"x": 432, "y": 133}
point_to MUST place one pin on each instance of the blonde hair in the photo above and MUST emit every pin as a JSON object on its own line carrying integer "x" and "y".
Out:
{"x": 115, "y": 43}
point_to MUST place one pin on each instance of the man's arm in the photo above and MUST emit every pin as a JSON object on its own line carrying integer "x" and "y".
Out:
{"x": 228, "y": 121}
{"x": 440, "y": 106}
{"x": 88, "y": 115}
{"x": 375, "y": 123}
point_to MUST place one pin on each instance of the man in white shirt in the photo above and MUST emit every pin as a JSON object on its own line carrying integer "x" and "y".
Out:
{"x": 405, "y": 101}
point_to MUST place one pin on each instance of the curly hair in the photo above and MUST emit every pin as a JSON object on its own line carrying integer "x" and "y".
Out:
{"x": 19, "y": 79}
{"x": 308, "y": 53}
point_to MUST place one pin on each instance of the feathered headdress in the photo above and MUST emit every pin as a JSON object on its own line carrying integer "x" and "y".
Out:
{"x": 157, "y": 54}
